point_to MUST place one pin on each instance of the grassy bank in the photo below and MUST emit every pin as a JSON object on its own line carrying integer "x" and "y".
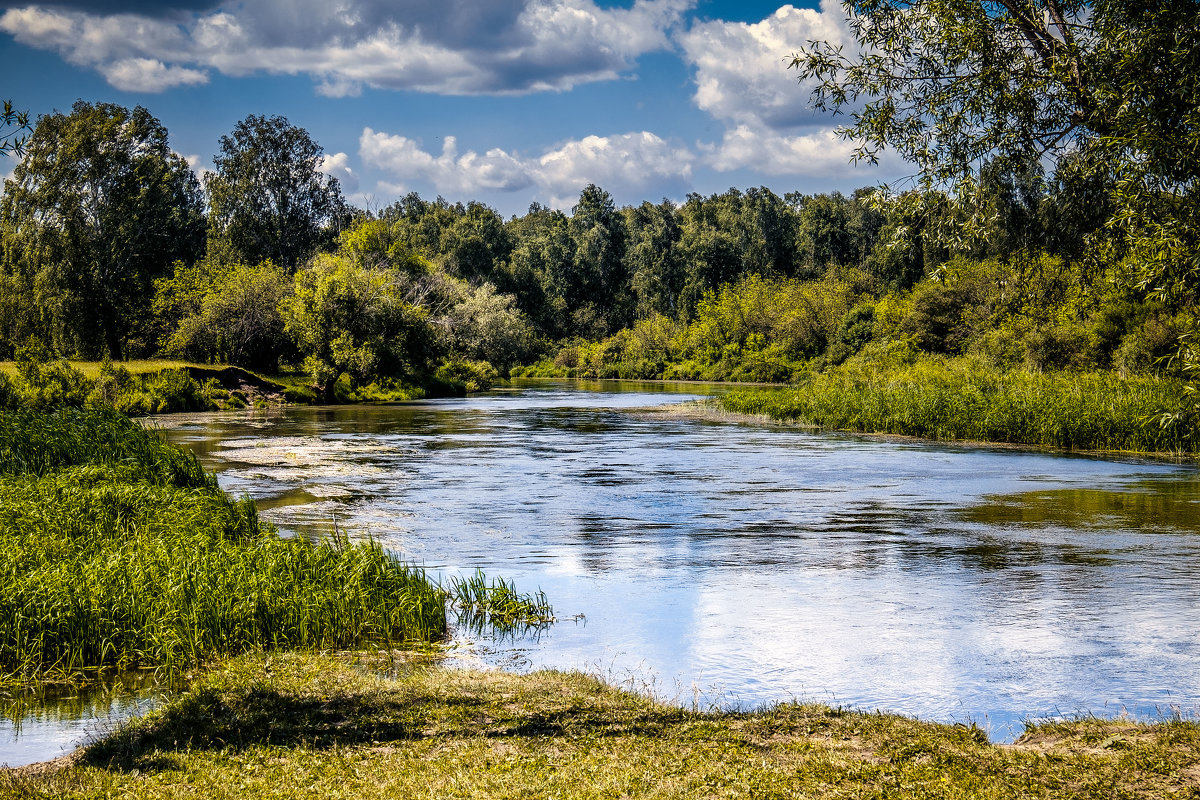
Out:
{"x": 311, "y": 726}
{"x": 118, "y": 550}
{"x": 960, "y": 399}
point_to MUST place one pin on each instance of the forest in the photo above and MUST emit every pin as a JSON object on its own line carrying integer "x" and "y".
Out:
{"x": 118, "y": 252}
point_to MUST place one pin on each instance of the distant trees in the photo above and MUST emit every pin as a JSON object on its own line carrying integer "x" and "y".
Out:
{"x": 268, "y": 196}
{"x": 98, "y": 207}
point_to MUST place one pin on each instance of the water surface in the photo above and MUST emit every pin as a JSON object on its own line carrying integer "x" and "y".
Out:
{"x": 731, "y": 564}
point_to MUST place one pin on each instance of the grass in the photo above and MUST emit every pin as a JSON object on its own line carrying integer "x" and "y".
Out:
{"x": 91, "y": 369}
{"x": 293, "y": 725}
{"x": 118, "y": 550}
{"x": 960, "y": 399}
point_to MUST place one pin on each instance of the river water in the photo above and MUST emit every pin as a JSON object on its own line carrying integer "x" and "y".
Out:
{"x": 725, "y": 564}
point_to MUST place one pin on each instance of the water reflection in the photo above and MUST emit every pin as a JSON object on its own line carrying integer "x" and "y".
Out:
{"x": 741, "y": 564}
{"x": 41, "y": 725}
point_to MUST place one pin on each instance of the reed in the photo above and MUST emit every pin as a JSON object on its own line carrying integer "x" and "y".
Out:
{"x": 961, "y": 399}
{"x": 117, "y": 550}
{"x": 497, "y": 603}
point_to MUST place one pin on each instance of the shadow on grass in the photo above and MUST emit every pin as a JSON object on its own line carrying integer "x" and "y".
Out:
{"x": 205, "y": 720}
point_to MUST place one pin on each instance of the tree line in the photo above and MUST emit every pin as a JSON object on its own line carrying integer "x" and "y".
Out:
{"x": 113, "y": 247}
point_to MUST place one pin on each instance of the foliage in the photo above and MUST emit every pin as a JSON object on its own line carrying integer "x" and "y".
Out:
{"x": 237, "y": 320}
{"x": 358, "y": 320}
{"x": 98, "y": 207}
{"x": 471, "y": 376}
{"x": 13, "y": 127}
{"x": 119, "y": 550}
{"x": 269, "y": 197}
{"x": 1106, "y": 91}
{"x": 487, "y": 326}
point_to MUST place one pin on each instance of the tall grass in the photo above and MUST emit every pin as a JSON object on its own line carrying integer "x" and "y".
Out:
{"x": 961, "y": 399}
{"x": 116, "y": 549}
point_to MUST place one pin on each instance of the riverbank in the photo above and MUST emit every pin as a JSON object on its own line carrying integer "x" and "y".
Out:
{"x": 958, "y": 400}
{"x": 293, "y": 725}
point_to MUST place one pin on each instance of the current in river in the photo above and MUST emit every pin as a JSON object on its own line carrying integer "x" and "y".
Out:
{"x": 720, "y": 563}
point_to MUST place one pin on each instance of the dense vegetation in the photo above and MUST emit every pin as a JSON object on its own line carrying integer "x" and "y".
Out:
{"x": 308, "y": 726}
{"x": 938, "y": 398}
{"x": 1023, "y": 268}
{"x": 118, "y": 550}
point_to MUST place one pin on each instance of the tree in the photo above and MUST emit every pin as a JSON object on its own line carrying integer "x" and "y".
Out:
{"x": 596, "y": 286}
{"x": 13, "y": 129}
{"x": 957, "y": 85}
{"x": 98, "y": 207}
{"x": 268, "y": 196}
{"x": 347, "y": 317}
{"x": 238, "y": 320}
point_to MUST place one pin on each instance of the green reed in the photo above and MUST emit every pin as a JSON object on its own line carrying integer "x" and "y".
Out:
{"x": 961, "y": 399}
{"x": 497, "y": 603}
{"x": 117, "y": 550}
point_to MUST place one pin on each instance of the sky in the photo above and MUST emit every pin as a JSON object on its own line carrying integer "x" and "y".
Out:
{"x": 507, "y": 102}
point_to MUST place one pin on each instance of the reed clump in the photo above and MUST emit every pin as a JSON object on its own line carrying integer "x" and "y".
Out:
{"x": 480, "y": 603}
{"x": 118, "y": 550}
{"x": 962, "y": 399}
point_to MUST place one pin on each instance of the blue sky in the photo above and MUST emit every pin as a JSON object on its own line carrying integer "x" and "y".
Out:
{"x": 503, "y": 101}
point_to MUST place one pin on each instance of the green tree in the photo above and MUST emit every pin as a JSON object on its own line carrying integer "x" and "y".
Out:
{"x": 268, "y": 196}
{"x": 954, "y": 85}
{"x": 14, "y": 127}
{"x": 596, "y": 287}
{"x": 238, "y": 320}
{"x": 653, "y": 260}
{"x": 98, "y": 207}
{"x": 350, "y": 318}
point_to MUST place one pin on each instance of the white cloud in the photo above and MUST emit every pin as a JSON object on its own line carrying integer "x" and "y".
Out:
{"x": 819, "y": 154}
{"x": 741, "y": 69}
{"x": 149, "y": 75}
{"x": 742, "y": 79}
{"x": 338, "y": 165}
{"x": 630, "y": 162}
{"x": 197, "y": 165}
{"x": 450, "y": 47}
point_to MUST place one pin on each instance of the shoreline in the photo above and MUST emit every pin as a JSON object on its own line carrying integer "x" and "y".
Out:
{"x": 709, "y": 411}
{"x": 249, "y": 723}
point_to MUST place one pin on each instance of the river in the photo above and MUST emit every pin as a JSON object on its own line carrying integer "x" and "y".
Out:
{"x": 727, "y": 564}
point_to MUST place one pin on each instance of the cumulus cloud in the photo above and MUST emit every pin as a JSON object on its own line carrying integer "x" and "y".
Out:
{"x": 628, "y": 162}
{"x": 741, "y": 69}
{"x": 149, "y": 75}
{"x": 822, "y": 153}
{"x": 742, "y": 79}
{"x": 452, "y": 47}
{"x": 338, "y": 165}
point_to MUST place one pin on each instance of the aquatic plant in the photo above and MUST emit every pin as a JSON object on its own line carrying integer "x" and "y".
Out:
{"x": 497, "y": 603}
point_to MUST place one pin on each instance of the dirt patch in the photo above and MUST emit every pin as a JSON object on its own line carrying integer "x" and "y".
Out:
{"x": 258, "y": 390}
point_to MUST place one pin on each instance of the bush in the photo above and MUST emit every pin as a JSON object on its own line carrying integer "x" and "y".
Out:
{"x": 473, "y": 376}
{"x": 1055, "y": 347}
